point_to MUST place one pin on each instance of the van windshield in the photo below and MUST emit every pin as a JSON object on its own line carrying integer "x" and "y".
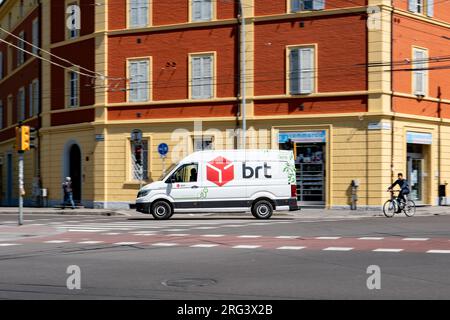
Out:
{"x": 169, "y": 170}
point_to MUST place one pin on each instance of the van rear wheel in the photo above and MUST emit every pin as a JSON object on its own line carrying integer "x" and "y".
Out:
{"x": 161, "y": 210}
{"x": 262, "y": 209}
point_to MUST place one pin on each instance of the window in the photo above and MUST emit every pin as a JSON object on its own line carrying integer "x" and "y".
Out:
{"x": 21, "y": 104}
{"x": 9, "y": 120}
{"x": 9, "y": 21}
{"x": 420, "y": 73}
{"x": 10, "y": 59}
{"x": 202, "y": 10}
{"x": 138, "y": 13}
{"x": 202, "y": 143}
{"x": 305, "y": 5}
{"x": 73, "y": 12}
{"x": 187, "y": 173}
{"x": 301, "y": 76}
{"x": 139, "y": 84}
{"x": 421, "y": 6}
{"x": 1, "y": 114}
{"x": 202, "y": 76}
{"x": 138, "y": 169}
{"x": 21, "y": 9}
{"x": 35, "y": 35}
{"x": 1, "y": 65}
{"x": 34, "y": 98}
{"x": 21, "y": 45}
{"x": 73, "y": 86}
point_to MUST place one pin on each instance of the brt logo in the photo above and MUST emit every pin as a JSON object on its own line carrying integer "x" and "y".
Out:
{"x": 249, "y": 172}
{"x": 220, "y": 171}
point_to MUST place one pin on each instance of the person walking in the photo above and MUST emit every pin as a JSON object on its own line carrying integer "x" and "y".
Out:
{"x": 68, "y": 193}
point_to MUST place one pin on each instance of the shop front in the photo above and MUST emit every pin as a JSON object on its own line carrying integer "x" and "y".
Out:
{"x": 418, "y": 169}
{"x": 309, "y": 148}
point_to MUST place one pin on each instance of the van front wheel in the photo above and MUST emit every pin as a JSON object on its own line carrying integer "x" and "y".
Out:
{"x": 262, "y": 209}
{"x": 161, "y": 210}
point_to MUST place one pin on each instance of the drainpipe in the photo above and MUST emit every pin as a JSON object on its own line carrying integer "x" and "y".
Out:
{"x": 243, "y": 76}
{"x": 392, "y": 92}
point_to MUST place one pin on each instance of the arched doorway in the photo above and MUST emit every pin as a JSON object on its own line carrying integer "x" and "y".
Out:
{"x": 75, "y": 171}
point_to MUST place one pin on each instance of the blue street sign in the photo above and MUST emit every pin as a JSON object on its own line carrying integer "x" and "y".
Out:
{"x": 163, "y": 149}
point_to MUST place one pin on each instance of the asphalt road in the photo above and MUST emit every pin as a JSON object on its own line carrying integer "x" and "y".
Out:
{"x": 224, "y": 258}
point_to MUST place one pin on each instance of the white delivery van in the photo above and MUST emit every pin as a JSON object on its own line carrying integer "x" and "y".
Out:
{"x": 259, "y": 181}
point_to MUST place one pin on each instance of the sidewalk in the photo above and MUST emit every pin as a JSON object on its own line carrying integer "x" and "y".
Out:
{"x": 313, "y": 213}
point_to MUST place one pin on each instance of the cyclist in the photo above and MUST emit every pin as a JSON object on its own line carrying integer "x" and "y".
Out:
{"x": 404, "y": 189}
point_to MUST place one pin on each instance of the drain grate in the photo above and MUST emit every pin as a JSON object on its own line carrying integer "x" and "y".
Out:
{"x": 188, "y": 283}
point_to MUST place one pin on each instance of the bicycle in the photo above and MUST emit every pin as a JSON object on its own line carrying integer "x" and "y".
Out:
{"x": 394, "y": 206}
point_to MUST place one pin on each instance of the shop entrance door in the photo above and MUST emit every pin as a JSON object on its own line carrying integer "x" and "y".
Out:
{"x": 416, "y": 172}
{"x": 310, "y": 165}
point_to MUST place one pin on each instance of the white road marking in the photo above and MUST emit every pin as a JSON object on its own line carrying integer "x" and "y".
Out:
{"x": 175, "y": 230}
{"x": 249, "y": 236}
{"x": 177, "y": 235}
{"x": 327, "y": 238}
{"x": 205, "y": 228}
{"x": 111, "y": 234}
{"x": 245, "y": 247}
{"x": 338, "y": 249}
{"x": 90, "y": 230}
{"x": 163, "y": 244}
{"x": 287, "y": 237}
{"x": 57, "y": 241}
{"x": 371, "y": 238}
{"x": 387, "y": 250}
{"x": 126, "y": 243}
{"x": 233, "y": 226}
{"x": 90, "y": 242}
{"x": 416, "y": 239}
{"x": 212, "y": 235}
{"x": 290, "y": 248}
{"x": 204, "y": 245}
{"x": 9, "y": 244}
{"x": 438, "y": 251}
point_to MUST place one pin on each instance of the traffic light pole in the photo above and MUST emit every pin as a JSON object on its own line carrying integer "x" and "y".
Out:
{"x": 21, "y": 188}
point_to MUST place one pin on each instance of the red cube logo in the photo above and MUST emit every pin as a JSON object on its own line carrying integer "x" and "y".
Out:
{"x": 220, "y": 171}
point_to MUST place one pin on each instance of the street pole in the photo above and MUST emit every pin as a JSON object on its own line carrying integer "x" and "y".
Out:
{"x": 243, "y": 78}
{"x": 21, "y": 188}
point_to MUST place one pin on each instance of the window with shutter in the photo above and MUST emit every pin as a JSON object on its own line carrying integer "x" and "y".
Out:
{"x": 35, "y": 35}
{"x": 419, "y": 73}
{"x": 202, "y": 77}
{"x": 139, "y": 84}
{"x": 302, "y": 73}
{"x": 138, "y": 13}
{"x": 305, "y": 5}
{"x": 202, "y": 10}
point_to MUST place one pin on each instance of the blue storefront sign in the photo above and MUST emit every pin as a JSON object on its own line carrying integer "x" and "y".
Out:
{"x": 303, "y": 136}
{"x": 419, "y": 137}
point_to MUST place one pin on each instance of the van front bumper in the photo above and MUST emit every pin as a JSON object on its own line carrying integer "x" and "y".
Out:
{"x": 143, "y": 207}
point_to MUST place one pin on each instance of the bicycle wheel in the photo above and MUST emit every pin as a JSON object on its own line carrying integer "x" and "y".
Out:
{"x": 390, "y": 208}
{"x": 410, "y": 208}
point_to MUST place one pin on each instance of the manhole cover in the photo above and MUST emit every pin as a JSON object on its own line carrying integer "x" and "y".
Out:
{"x": 186, "y": 283}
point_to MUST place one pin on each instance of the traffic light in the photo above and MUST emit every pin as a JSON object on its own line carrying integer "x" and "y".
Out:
{"x": 25, "y": 137}
{"x": 138, "y": 154}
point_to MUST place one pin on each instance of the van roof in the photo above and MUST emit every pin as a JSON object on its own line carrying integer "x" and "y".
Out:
{"x": 240, "y": 155}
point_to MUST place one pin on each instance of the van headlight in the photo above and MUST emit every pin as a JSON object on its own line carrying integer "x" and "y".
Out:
{"x": 143, "y": 193}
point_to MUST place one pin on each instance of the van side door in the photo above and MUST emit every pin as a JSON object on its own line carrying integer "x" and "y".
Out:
{"x": 184, "y": 187}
